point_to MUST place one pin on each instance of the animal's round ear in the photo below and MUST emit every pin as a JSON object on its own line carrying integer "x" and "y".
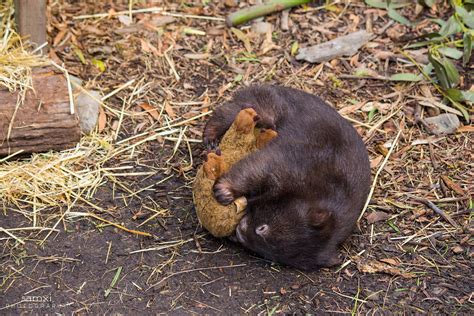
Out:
{"x": 318, "y": 217}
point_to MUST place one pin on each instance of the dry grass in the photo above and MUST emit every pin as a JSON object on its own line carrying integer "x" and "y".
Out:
{"x": 64, "y": 179}
{"x": 16, "y": 58}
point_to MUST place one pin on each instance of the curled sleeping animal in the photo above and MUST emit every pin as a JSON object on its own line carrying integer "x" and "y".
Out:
{"x": 306, "y": 188}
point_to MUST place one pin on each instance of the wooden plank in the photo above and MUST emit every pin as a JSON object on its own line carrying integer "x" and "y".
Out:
{"x": 30, "y": 16}
{"x": 43, "y": 122}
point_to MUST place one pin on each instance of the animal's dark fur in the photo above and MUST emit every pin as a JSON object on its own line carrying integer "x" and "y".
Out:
{"x": 305, "y": 188}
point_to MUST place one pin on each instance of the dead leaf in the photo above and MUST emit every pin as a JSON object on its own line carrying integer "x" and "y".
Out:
{"x": 390, "y": 261}
{"x": 452, "y": 185}
{"x": 242, "y": 37}
{"x": 52, "y": 54}
{"x": 169, "y": 110}
{"x": 374, "y": 266}
{"x": 125, "y": 20}
{"x": 102, "y": 119}
{"x": 94, "y": 30}
{"x": 224, "y": 88}
{"x": 374, "y": 163}
{"x": 161, "y": 20}
{"x": 375, "y": 217}
{"x": 466, "y": 129}
{"x": 351, "y": 108}
{"x": 59, "y": 37}
{"x": 150, "y": 110}
{"x": 147, "y": 47}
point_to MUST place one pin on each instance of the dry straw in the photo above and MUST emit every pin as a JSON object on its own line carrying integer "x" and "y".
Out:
{"x": 15, "y": 59}
{"x": 61, "y": 180}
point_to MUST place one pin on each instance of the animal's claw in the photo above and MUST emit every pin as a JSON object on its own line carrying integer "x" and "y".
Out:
{"x": 223, "y": 192}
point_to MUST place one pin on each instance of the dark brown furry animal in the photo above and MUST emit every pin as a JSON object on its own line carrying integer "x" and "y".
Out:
{"x": 305, "y": 188}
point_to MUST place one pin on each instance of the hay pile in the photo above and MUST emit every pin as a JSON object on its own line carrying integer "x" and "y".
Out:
{"x": 45, "y": 187}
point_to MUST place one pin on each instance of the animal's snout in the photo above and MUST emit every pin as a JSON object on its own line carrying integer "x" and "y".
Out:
{"x": 242, "y": 229}
{"x": 243, "y": 224}
{"x": 262, "y": 230}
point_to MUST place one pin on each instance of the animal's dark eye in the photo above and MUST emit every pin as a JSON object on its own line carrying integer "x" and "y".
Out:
{"x": 262, "y": 230}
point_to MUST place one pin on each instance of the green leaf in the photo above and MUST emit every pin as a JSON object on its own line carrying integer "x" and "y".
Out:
{"x": 294, "y": 48}
{"x": 451, "y": 71}
{"x": 420, "y": 44}
{"x": 467, "y": 43}
{"x": 397, "y": 16}
{"x": 99, "y": 64}
{"x": 428, "y": 68}
{"x": 380, "y": 4}
{"x": 461, "y": 108}
{"x": 362, "y": 72}
{"x": 440, "y": 22}
{"x": 468, "y": 96}
{"x": 467, "y": 17}
{"x": 429, "y": 3}
{"x": 440, "y": 71}
{"x": 451, "y": 27}
{"x": 114, "y": 281}
{"x": 238, "y": 78}
{"x": 377, "y": 4}
{"x": 406, "y": 77}
{"x": 79, "y": 54}
{"x": 371, "y": 115}
{"x": 451, "y": 52}
{"x": 455, "y": 94}
{"x": 459, "y": 95}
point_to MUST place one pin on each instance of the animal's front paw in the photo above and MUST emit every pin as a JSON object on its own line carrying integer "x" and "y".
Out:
{"x": 211, "y": 144}
{"x": 223, "y": 192}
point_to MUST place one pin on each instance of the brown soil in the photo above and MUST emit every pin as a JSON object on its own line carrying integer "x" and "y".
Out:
{"x": 186, "y": 271}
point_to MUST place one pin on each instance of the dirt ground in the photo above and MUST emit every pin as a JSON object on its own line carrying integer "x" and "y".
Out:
{"x": 403, "y": 259}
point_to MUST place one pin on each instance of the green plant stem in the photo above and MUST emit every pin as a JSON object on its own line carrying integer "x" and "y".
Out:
{"x": 257, "y": 11}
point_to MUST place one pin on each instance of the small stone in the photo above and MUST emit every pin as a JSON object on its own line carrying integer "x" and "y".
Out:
{"x": 375, "y": 217}
{"x": 295, "y": 286}
{"x": 87, "y": 106}
{"x": 457, "y": 249}
{"x": 261, "y": 27}
{"x": 230, "y": 3}
{"x": 445, "y": 123}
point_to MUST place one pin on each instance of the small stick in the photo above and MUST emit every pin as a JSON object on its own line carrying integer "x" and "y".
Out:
{"x": 136, "y": 232}
{"x": 104, "y": 15}
{"x": 374, "y": 183}
{"x": 69, "y": 86}
{"x": 125, "y": 85}
{"x": 148, "y": 10}
{"x": 257, "y": 11}
{"x": 436, "y": 209}
{"x": 11, "y": 235}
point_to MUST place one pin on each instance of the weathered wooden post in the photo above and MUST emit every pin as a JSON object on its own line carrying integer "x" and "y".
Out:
{"x": 30, "y": 17}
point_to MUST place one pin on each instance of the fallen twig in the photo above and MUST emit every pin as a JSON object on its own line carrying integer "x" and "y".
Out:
{"x": 436, "y": 209}
{"x": 132, "y": 231}
{"x": 250, "y": 13}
